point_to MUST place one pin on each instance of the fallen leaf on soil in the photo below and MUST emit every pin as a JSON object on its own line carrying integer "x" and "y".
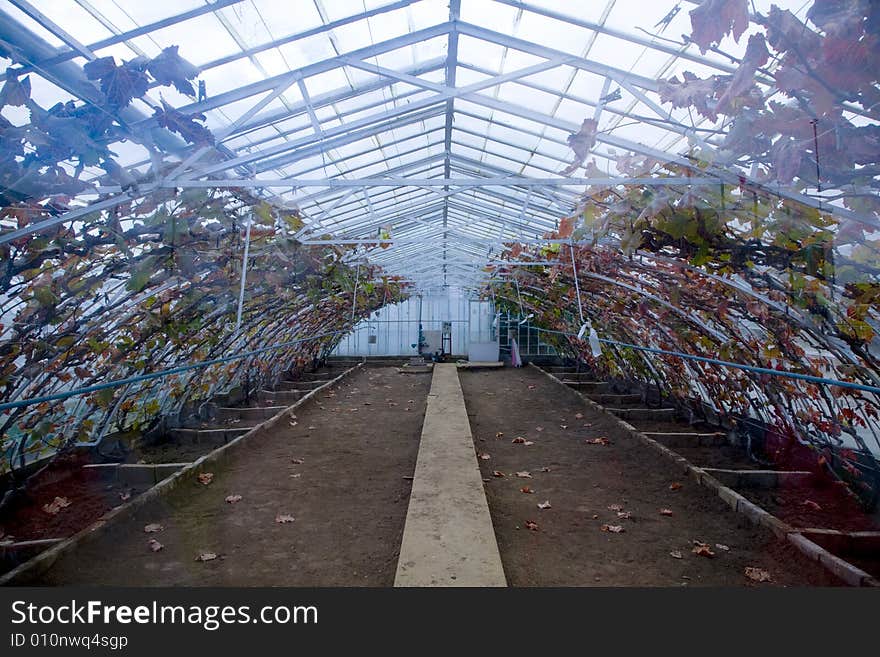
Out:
{"x": 530, "y": 525}
{"x": 539, "y": 429}
{"x": 674, "y": 485}
{"x": 722, "y": 547}
{"x": 155, "y": 545}
{"x": 484, "y": 456}
{"x": 352, "y": 410}
{"x": 519, "y": 440}
{"x": 624, "y": 515}
{"x": 524, "y": 474}
{"x": 526, "y": 489}
{"x": 675, "y": 554}
{"x": 614, "y": 529}
{"x": 545, "y": 469}
{"x": 206, "y": 556}
{"x": 702, "y": 549}
{"x": 498, "y": 473}
{"x": 283, "y": 519}
{"x": 579, "y": 416}
{"x": 153, "y": 527}
{"x": 206, "y": 478}
{"x": 810, "y": 504}
{"x": 293, "y": 424}
{"x": 597, "y": 441}
{"x": 296, "y": 476}
{"x": 312, "y": 427}
{"x": 544, "y": 505}
{"x": 563, "y": 426}
{"x": 757, "y": 574}
{"x": 615, "y": 507}
{"x": 297, "y": 461}
{"x": 665, "y": 512}
{"x": 232, "y": 499}
{"x": 56, "y": 505}
{"x": 532, "y": 387}
{"x": 124, "y": 496}
{"x": 595, "y": 516}
{"x": 499, "y": 434}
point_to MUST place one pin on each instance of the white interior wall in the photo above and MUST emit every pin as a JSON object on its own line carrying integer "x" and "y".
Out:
{"x": 396, "y": 327}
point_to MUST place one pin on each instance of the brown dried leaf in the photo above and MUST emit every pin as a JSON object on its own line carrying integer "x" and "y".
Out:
{"x": 615, "y": 507}
{"x": 526, "y": 489}
{"x": 284, "y": 518}
{"x": 498, "y": 473}
{"x": 499, "y": 434}
{"x": 675, "y": 554}
{"x": 674, "y": 485}
{"x": 56, "y": 505}
{"x": 665, "y": 512}
{"x": 531, "y": 525}
{"x": 597, "y": 441}
{"x": 153, "y": 527}
{"x": 297, "y": 461}
{"x": 579, "y": 416}
{"x": 544, "y": 505}
{"x": 614, "y": 529}
{"x": 524, "y": 474}
{"x": 757, "y": 574}
{"x": 624, "y": 515}
{"x": 232, "y": 499}
{"x": 155, "y": 545}
{"x": 810, "y": 504}
{"x": 206, "y": 556}
{"x": 484, "y": 456}
{"x": 722, "y": 547}
{"x": 206, "y": 478}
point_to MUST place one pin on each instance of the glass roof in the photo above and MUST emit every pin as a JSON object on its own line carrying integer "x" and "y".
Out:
{"x": 443, "y": 127}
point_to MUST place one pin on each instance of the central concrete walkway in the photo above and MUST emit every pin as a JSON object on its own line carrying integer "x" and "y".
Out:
{"x": 448, "y": 539}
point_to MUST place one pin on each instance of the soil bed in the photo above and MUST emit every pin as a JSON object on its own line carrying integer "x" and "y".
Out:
{"x": 584, "y": 480}
{"x": 338, "y": 468}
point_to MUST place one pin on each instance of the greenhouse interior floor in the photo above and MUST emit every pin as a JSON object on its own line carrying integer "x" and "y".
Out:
{"x": 325, "y": 488}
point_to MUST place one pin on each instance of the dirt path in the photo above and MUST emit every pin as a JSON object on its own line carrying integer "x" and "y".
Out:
{"x": 584, "y": 480}
{"x": 348, "y": 497}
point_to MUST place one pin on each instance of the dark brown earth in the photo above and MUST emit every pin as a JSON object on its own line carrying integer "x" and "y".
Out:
{"x": 570, "y": 549}
{"x": 349, "y": 499}
{"x": 89, "y": 495}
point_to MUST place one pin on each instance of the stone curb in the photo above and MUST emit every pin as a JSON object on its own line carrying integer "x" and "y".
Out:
{"x": 43, "y": 561}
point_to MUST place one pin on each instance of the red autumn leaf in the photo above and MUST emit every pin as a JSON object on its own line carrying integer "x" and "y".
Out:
{"x": 531, "y": 525}
{"x": 206, "y": 478}
{"x": 675, "y": 485}
{"x": 744, "y": 78}
{"x": 527, "y": 490}
{"x": 702, "y": 549}
{"x": 714, "y": 19}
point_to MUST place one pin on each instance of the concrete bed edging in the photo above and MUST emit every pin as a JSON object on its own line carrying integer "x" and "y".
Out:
{"x": 837, "y": 566}
{"x": 44, "y": 561}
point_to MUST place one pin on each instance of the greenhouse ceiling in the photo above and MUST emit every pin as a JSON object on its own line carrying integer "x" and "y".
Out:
{"x": 422, "y": 135}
